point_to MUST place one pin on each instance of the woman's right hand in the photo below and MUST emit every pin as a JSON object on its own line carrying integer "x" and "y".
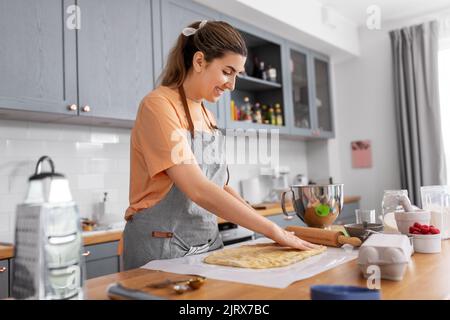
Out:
{"x": 289, "y": 239}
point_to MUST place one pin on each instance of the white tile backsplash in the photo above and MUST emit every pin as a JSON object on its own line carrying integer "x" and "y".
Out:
{"x": 94, "y": 160}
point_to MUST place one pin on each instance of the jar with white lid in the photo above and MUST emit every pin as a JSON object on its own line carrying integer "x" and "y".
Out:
{"x": 436, "y": 199}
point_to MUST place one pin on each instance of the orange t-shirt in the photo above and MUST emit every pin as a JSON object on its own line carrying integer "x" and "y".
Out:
{"x": 158, "y": 134}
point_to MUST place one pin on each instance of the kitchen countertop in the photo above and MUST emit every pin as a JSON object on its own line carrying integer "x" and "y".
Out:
{"x": 426, "y": 277}
{"x": 96, "y": 237}
{"x": 89, "y": 238}
{"x": 6, "y": 251}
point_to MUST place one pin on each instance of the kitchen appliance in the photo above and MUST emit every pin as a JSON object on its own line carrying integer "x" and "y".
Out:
{"x": 48, "y": 260}
{"x": 436, "y": 199}
{"x": 331, "y": 238}
{"x": 316, "y": 205}
{"x": 279, "y": 182}
{"x": 252, "y": 190}
{"x": 232, "y": 233}
{"x": 301, "y": 180}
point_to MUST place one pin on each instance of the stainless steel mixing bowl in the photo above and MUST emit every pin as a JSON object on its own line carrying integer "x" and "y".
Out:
{"x": 316, "y": 205}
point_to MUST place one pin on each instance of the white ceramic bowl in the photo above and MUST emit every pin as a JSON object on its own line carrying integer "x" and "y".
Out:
{"x": 427, "y": 243}
{"x": 405, "y": 220}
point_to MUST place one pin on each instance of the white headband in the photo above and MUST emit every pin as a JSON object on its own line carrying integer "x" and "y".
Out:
{"x": 190, "y": 31}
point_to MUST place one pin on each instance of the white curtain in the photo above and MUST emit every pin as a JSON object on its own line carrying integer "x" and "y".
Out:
{"x": 444, "y": 83}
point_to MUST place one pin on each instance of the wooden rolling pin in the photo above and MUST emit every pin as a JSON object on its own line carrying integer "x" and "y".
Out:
{"x": 326, "y": 237}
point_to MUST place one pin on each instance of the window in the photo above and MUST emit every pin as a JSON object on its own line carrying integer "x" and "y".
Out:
{"x": 444, "y": 92}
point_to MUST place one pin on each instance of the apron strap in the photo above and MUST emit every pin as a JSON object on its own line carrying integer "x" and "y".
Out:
{"x": 211, "y": 126}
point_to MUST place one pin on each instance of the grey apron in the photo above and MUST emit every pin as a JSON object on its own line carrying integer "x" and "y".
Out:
{"x": 176, "y": 226}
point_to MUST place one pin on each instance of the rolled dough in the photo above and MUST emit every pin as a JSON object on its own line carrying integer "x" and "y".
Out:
{"x": 260, "y": 256}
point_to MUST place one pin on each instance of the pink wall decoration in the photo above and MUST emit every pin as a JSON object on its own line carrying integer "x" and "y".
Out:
{"x": 361, "y": 154}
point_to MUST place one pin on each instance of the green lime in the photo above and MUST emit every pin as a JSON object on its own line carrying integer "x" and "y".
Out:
{"x": 322, "y": 210}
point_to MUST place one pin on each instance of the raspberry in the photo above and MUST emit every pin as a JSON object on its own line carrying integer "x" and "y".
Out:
{"x": 434, "y": 230}
{"x": 415, "y": 232}
{"x": 412, "y": 229}
{"x": 417, "y": 225}
{"x": 424, "y": 229}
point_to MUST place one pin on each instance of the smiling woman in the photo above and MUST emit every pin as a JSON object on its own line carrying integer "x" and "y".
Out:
{"x": 174, "y": 194}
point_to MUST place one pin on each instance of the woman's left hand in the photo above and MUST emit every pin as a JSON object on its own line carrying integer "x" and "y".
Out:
{"x": 289, "y": 239}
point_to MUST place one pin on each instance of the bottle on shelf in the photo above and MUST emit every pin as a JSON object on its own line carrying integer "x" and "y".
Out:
{"x": 271, "y": 73}
{"x": 256, "y": 70}
{"x": 262, "y": 70}
{"x": 278, "y": 114}
{"x": 233, "y": 109}
{"x": 264, "y": 111}
{"x": 247, "y": 110}
{"x": 257, "y": 113}
{"x": 271, "y": 116}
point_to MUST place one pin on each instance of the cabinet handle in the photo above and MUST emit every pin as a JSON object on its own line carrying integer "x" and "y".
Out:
{"x": 87, "y": 253}
{"x": 72, "y": 107}
{"x": 3, "y": 269}
{"x": 86, "y": 109}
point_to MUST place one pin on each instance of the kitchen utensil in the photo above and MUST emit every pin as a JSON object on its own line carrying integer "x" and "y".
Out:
{"x": 193, "y": 283}
{"x": 331, "y": 238}
{"x": 365, "y": 215}
{"x": 404, "y": 220}
{"x": 363, "y": 230}
{"x": 317, "y": 205}
{"x": 48, "y": 262}
{"x": 391, "y": 201}
{"x": 436, "y": 199}
{"x": 338, "y": 292}
{"x": 118, "y": 291}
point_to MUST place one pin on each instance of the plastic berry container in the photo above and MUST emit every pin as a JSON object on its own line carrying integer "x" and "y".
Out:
{"x": 427, "y": 243}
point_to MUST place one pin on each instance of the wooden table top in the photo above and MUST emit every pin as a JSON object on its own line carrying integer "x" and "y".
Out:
{"x": 426, "y": 277}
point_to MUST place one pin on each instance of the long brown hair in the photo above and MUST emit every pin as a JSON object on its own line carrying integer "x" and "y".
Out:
{"x": 214, "y": 39}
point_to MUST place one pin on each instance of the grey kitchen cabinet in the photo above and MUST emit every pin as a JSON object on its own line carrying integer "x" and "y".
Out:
{"x": 175, "y": 16}
{"x": 4, "y": 278}
{"x": 97, "y": 73}
{"x": 299, "y": 104}
{"x": 37, "y": 58}
{"x": 324, "y": 125}
{"x": 264, "y": 47}
{"x": 101, "y": 259}
{"x": 115, "y": 59}
{"x": 309, "y": 76}
{"x": 94, "y": 74}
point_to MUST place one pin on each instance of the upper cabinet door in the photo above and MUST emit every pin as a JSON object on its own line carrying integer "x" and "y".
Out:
{"x": 302, "y": 115}
{"x": 114, "y": 57}
{"x": 38, "y": 57}
{"x": 176, "y": 15}
{"x": 322, "y": 103}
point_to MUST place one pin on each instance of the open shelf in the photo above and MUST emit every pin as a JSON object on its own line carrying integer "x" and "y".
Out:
{"x": 248, "y": 83}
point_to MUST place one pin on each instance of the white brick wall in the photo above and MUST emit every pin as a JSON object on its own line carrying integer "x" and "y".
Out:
{"x": 94, "y": 160}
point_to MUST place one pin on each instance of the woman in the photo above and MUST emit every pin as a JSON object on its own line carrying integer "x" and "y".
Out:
{"x": 174, "y": 191}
